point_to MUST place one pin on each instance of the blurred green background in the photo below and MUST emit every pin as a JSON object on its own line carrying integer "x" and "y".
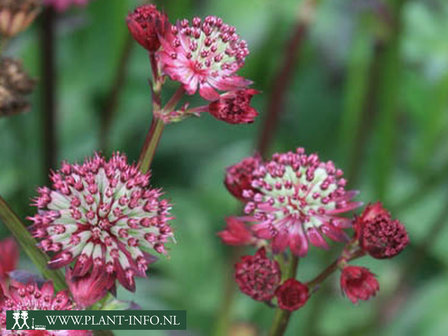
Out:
{"x": 368, "y": 90}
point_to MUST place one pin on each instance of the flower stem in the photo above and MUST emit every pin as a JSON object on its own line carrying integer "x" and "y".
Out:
{"x": 323, "y": 275}
{"x": 281, "y": 317}
{"x": 177, "y": 96}
{"x": 27, "y": 242}
{"x": 150, "y": 146}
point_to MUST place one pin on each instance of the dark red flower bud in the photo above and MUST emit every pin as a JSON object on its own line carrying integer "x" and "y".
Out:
{"x": 358, "y": 283}
{"x": 292, "y": 295}
{"x": 146, "y": 24}
{"x": 378, "y": 234}
{"x": 239, "y": 177}
{"x": 234, "y": 107}
{"x": 236, "y": 233}
{"x": 258, "y": 276}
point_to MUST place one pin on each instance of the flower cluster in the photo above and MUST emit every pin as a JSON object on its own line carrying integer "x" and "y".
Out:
{"x": 294, "y": 200}
{"x": 31, "y": 296}
{"x": 202, "y": 55}
{"x": 102, "y": 217}
{"x": 260, "y": 278}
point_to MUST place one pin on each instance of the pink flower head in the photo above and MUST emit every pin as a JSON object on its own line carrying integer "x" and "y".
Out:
{"x": 378, "y": 234}
{"x": 32, "y": 297}
{"x": 146, "y": 23}
{"x": 88, "y": 289}
{"x": 292, "y": 295}
{"x": 298, "y": 199}
{"x": 9, "y": 256}
{"x": 258, "y": 276}
{"x": 234, "y": 107}
{"x": 239, "y": 177}
{"x": 102, "y": 216}
{"x": 358, "y": 283}
{"x": 63, "y": 5}
{"x": 205, "y": 54}
{"x": 236, "y": 233}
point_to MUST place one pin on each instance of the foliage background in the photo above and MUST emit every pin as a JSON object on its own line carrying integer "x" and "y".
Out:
{"x": 402, "y": 161}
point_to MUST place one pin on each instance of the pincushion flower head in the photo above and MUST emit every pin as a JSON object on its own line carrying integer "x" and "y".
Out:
{"x": 378, "y": 234}
{"x": 258, "y": 276}
{"x": 298, "y": 199}
{"x": 102, "y": 216}
{"x": 146, "y": 24}
{"x": 205, "y": 54}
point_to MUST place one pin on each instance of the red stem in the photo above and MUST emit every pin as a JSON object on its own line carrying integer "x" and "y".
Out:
{"x": 281, "y": 83}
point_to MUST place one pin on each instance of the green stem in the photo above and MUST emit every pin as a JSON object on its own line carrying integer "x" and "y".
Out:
{"x": 281, "y": 317}
{"x": 28, "y": 243}
{"x": 150, "y": 146}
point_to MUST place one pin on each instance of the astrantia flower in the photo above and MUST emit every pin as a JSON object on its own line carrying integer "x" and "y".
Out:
{"x": 298, "y": 199}
{"x": 378, "y": 234}
{"x": 102, "y": 216}
{"x": 358, "y": 283}
{"x": 205, "y": 54}
{"x": 258, "y": 276}
{"x": 292, "y": 295}
{"x": 9, "y": 256}
{"x": 63, "y": 5}
{"x": 17, "y": 15}
{"x": 239, "y": 177}
{"x": 236, "y": 233}
{"x": 32, "y": 297}
{"x": 234, "y": 107}
{"x": 88, "y": 289}
{"x": 146, "y": 23}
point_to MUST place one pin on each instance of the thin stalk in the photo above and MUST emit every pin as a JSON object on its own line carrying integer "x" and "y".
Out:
{"x": 28, "y": 244}
{"x": 281, "y": 82}
{"x": 323, "y": 275}
{"x": 281, "y": 317}
{"x": 49, "y": 89}
{"x": 150, "y": 145}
